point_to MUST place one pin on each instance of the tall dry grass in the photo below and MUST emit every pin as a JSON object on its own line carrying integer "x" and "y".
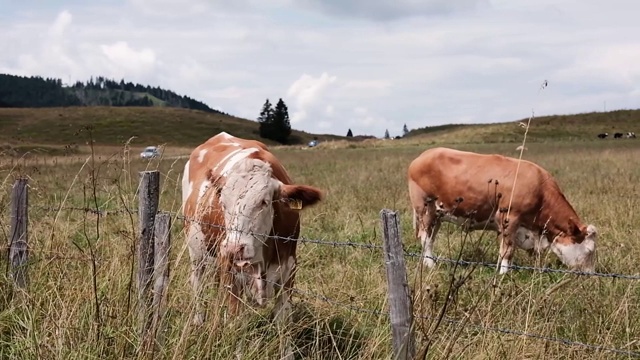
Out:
{"x": 57, "y": 317}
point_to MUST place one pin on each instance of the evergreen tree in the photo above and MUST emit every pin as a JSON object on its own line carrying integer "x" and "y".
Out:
{"x": 405, "y": 130}
{"x": 266, "y": 120}
{"x": 281, "y": 123}
{"x": 386, "y": 134}
{"x": 349, "y": 133}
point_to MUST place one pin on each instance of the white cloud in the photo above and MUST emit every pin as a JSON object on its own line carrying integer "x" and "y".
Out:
{"x": 306, "y": 92}
{"x": 126, "y": 60}
{"x": 419, "y": 63}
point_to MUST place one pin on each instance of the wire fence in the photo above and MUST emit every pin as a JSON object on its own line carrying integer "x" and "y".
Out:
{"x": 372, "y": 246}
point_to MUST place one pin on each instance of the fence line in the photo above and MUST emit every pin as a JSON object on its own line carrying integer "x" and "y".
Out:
{"x": 356, "y": 244}
{"x": 451, "y": 320}
{"x": 154, "y": 243}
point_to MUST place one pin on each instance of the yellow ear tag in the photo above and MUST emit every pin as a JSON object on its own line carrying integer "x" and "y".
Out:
{"x": 295, "y": 204}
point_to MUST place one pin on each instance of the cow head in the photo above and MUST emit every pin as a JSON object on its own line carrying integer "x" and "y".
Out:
{"x": 576, "y": 247}
{"x": 248, "y": 197}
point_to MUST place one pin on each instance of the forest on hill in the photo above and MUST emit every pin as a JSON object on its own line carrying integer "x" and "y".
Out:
{"x": 37, "y": 92}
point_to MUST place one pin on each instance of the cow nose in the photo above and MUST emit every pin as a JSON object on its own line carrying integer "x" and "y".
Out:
{"x": 238, "y": 252}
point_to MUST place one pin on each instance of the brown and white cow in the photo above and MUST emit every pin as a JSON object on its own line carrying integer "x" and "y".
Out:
{"x": 235, "y": 194}
{"x": 473, "y": 190}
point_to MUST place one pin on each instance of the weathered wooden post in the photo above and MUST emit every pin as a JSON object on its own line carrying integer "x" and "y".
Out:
{"x": 162, "y": 232}
{"x": 401, "y": 311}
{"x": 18, "y": 248}
{"x": 148, "y": 200}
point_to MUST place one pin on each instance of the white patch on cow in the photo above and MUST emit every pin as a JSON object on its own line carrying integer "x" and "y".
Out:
{"x": 226, "y": 135}
{"x": 246, "y": 199}
{"x": 238, "y": 156}
{"x": 203, "y": 189}
{"x": 427, "y": 249}
{"x": 225, "y": 158}
{"x": 186, "y": 184}
{"x": 504, "y": 266}
{"x": 230, "y": 144}
{"x": 201, "y": 155}
{"x": 575, "y": 255}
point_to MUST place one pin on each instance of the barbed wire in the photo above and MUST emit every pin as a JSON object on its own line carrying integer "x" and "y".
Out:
{"x": 352, "y": 307}
{"x": 100, "y": 212}
{"x": 358, "y": 244}
{"x": 475, "y": 326}
{"x": 525, "y": 267}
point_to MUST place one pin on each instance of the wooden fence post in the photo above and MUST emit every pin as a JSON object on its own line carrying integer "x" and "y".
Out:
{"x": 148, "y": 200}
{"x": 401, "y": 312}
{"x": 162, "y": 232}
{"x": 18, "y": 248}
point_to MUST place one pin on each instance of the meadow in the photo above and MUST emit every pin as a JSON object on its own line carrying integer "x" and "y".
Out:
{"x": 75, "y": 310}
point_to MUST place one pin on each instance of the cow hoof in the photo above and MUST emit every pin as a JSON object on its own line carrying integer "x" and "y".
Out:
{"x": 198, "y": 320}
{"x": 428, "y": 262}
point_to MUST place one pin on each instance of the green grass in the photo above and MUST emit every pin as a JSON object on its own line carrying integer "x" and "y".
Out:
{"x": 55, "y": 319}
{"x": 115, "y": 125}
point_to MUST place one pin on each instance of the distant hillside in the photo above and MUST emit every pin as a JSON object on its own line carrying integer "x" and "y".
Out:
{"x": 36, "y": 92}
{"x": 115, "y": 125}
{"x": 575, "y": 127}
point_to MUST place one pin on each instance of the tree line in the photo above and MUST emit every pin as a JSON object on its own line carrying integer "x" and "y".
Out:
{"x": 274, "y": 123}
{"x": 36, "y": 91}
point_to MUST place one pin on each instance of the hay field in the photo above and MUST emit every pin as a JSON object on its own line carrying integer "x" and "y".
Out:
{"x": 57, "y": 317}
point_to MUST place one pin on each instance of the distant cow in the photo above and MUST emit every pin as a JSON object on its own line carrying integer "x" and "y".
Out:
{"x": 617, "y": 136}
{"x": 631, "y": 135}
{"x": 603, "y": 135}
{"x": 235, "y": 193}
{"x": 473, "y": 190}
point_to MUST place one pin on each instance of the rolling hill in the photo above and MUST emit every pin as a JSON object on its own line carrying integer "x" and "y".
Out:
{"x": 574, "y": 127}
{"x": 115, "y": 125}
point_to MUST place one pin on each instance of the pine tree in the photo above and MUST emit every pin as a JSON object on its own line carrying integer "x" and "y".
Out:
{"x": 266, "y": 120}
{"x": 281, "y": 123}
{"x": 349, "y": 133}
{"x": 386, "y": 134}
{"x": 405, "y": 130}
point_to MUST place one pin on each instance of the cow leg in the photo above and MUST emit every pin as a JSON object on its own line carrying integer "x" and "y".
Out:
{"x": 282, "y": 308}
{"x": 507, "y": 244}
{"x": 426, "y": 230}
{"x": 197, "y": 257}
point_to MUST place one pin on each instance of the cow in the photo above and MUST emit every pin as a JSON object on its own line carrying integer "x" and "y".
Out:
{"x": 631, "y": 135}
{"x": 239, "y": 205}
{"x": 456, "y": 186}
{"x": 603, "y": 135}
{"x": 617, "y": 136}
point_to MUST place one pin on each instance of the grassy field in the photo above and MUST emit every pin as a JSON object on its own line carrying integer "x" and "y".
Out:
{"x": 57, "y": 317}
{"x": 63, "y": 130}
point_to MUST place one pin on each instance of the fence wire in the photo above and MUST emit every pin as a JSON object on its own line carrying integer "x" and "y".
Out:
{"x": 474, "y": 326}
{"x": 370, "y": 246}
{"x": 359, "y": 244}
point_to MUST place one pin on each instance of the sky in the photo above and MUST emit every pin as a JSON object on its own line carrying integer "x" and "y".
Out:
{"x": 364, "y": 65}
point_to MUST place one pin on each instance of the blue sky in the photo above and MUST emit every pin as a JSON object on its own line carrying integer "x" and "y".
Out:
{"x": 364, "y": 65}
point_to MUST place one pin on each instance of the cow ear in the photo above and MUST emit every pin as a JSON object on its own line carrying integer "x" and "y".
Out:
{"x": 297, "y": 197}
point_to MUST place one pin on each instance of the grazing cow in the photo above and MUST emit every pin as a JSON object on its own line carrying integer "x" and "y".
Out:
{"x": 603, "y": 135}
{"x": 235, "y": 193}
{"x": 631, "y": 135}
{"x": 617, "y": 136}
{"x": 473, "y": 190}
